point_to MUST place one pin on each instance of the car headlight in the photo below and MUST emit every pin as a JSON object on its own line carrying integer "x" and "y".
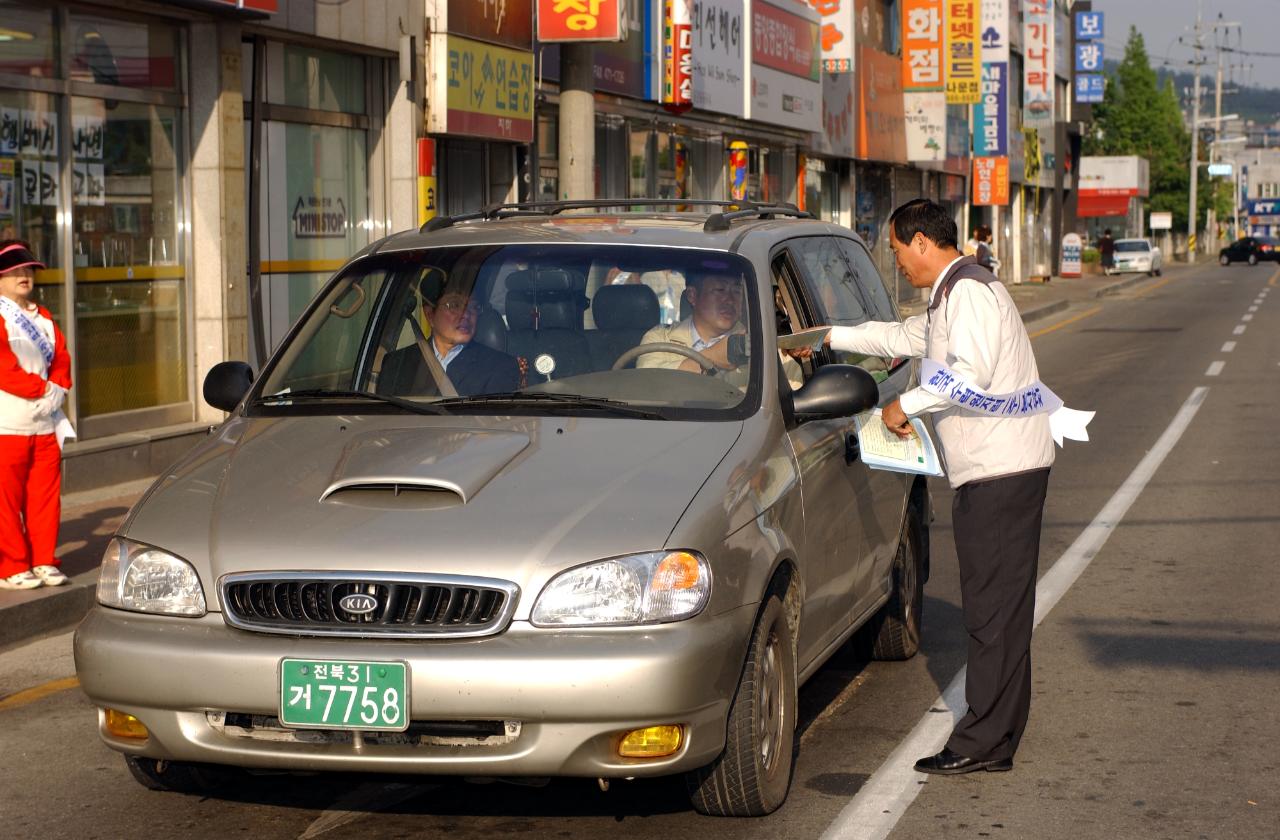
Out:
{"x": 658, "y": 586}
{"x": 144, "y": 579}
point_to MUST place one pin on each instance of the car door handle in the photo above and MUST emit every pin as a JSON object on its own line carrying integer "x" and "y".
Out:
{"x": 852, "y": 450}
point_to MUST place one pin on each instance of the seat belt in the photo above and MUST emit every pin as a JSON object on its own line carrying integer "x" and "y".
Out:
{"x": 443, "y": 383}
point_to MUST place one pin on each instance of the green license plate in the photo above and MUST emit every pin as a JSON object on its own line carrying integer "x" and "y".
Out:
{"x": 327, "y": 694}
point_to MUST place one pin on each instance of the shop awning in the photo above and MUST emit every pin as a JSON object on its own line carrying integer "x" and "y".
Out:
{"x": 1094, "y": 204}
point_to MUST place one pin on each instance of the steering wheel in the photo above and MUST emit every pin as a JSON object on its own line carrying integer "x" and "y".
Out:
{"x": 634, "y": 353}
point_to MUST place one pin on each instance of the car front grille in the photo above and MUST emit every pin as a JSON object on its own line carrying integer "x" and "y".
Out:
{"x": 367, "y": 604}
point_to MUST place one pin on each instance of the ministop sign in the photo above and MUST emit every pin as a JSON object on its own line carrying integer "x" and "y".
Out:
{"x": 580, "y": 20}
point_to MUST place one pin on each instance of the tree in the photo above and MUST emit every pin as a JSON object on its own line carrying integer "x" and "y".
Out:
{"x": 1137, "y": 117}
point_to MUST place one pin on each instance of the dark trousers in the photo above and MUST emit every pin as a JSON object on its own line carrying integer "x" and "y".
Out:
{"x": 997, "y": 529}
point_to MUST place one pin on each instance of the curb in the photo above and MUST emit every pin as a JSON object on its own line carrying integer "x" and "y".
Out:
{"x": 1121, "y": 285}
{"x": 51, "y": 609}
{"x": 1044, "y": 310}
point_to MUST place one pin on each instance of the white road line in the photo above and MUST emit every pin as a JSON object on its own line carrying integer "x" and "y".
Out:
{"x": 885, "y": 797}
{"x": 1215, "y": 369}
{"x": 1238, "y": 330}
{"x": 1246, "y": 317}
{"x": 1253, "y": 308}
{"x": 1228, "y": 347}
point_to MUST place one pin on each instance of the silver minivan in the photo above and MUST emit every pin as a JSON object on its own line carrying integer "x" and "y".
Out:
{"x": 526, "y": 493}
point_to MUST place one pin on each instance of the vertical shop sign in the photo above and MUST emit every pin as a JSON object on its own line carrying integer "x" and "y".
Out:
{"x": 838, "y": 21}
{"x": 926, "y": 125}
{"x": 580, "y": 20}
{"x": 786, "y": 62}
{"x": 881, "y": 121}
{"x": 991, "y": 115}
{"x": 990, "y": 181}
{"x": 428, "y": 192}
{"x": 921, "y": 45}
{"x": 738, "y": 152}
{"x": 677, "y": 55}
{"x": 1037, "y": 62}
{"x": 1089, "y": 26}
{"x": 963, "y": 53}
{"x": 488, "y": 91}
{"x": 1090, "y": 84}
{"x": 719, "y": 51}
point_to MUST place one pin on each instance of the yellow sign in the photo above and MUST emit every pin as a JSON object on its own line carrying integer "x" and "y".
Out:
{"x": 490, "y": 91}
{"x": 963, "y": 53}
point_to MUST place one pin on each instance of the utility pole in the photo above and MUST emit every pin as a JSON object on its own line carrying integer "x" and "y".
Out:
{"x": 1195, "y": 138}
{"x": 1211, "y": 225}
{"x": 577, "y": 121}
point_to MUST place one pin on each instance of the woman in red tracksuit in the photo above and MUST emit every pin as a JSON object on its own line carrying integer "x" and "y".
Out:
{"x": 35, "y": 374}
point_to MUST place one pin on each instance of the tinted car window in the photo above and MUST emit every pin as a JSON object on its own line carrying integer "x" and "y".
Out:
{"x": 1132, "y": 245}
{"x": 869, "y": 279}
{"x": 840, "y": 298}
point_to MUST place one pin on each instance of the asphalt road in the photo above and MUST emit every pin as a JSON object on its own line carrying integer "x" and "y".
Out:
{"x": 1155, "y": 676}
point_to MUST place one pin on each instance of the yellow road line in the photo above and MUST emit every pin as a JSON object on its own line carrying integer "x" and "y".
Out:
{"x": 1149, "y": 289}
{"x": 1274, "y": 278}
{"x": 31, "y": 695}
{"x": 1072, "y": 320}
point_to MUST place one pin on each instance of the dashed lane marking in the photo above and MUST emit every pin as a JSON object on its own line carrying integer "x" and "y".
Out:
{"x": 1228, "y": 347}
{"x": 1253, "y": 308}
{"x": 884, "y": 798}
{"x": 1246, "y": 317}
{"x": 1215, "y": 368}
{"x": 39, "y": 692}
{"x": 1238, "y": 330}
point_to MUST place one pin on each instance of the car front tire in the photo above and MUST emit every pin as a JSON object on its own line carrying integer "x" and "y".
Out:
{"x": 177, "y": 776}
{"x": 753, "y": 774}
{"x": 1224, "y": 260}
{"x": 1253, "y": 259}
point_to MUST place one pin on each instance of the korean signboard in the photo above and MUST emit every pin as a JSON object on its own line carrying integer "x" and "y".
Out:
{"x": 1089, "y": 57}
{"x": 881, "y": 120}
{"x": 488, "y": 91}
{"x": 786, "y": 62}
{"x": 507, "y": 23}
{"x": 619, "y": 66}
{"x": 990, "y": 181}
{"x": 1090, "y": 88}
{"x": 838, "y": 21}
{"x": 925, "y": 115}
{"x": 719, "y": 54}
{"x": 922, "y": 45}
{"x": 1089, "y": 26}
{"x": 1089, "y": 83}
{"x": 991, "y": 114}
{"x": 580, "y": 20}
{"x": 839, "y": 116}
{"x": 962, "y": 53}
{"x": 677, "y": 54}
{"x": 1037, "y": 62}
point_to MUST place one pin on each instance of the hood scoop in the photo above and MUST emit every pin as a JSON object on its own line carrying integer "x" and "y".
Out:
{"x": 420, "y": 469}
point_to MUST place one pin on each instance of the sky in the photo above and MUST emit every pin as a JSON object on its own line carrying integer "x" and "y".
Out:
{"x": 1162, "y": 21}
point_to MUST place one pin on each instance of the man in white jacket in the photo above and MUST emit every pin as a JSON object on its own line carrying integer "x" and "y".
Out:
{"x": 999, "y": 466}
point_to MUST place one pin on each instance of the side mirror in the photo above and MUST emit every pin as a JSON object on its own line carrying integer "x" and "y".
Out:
{"x": 226, "y": 384}
{"x": 836, "y": 391}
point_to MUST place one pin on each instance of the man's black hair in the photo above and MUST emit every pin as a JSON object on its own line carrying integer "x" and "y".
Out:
{"x": 927, "y": 217}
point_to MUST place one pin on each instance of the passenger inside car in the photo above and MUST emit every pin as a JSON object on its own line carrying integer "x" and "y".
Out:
{"x": 472, "y": 367}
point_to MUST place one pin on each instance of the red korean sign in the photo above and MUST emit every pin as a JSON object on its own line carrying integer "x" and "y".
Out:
{"x": 580, "y": 20}
{"x": 921, "y": 45}
{"x": 785, "y": 42}
{"x": 677, "y": 55}
{"x": 990, "y": 181}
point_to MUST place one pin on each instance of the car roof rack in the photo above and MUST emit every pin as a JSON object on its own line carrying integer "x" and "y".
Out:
{"x": 715, "y": 223}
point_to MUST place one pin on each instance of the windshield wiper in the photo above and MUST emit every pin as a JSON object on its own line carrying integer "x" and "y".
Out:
{"x": 319, "y": 394}
{"x": 568, "y": 400}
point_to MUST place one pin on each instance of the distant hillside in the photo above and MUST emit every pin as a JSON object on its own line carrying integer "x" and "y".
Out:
{"x": 1262, "y": 105}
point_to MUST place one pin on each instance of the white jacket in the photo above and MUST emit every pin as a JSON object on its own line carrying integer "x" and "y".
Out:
{"x": 977, "y": 332}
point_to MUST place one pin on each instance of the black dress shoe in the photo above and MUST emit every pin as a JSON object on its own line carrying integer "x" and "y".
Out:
{"x": 948, "y": 763}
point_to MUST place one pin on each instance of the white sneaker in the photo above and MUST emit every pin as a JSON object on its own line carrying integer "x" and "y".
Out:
{"x": 22, "y": 580}
{"x": 49, "y": 575}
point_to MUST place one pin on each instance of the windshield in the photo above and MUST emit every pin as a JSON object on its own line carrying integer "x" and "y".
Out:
{"x": 1132, "y": 245}
{"x": 528, "y": 328}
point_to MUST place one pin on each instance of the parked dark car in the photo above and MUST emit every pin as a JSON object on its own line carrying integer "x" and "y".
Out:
{"x": 1251, "y": 249}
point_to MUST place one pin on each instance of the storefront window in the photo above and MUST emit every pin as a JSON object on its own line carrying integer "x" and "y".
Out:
{"x": 29, "y": 177}
{"x": 303, "y": 77}
{"x": 639, "y": 169}
{"x": 130, "y": 299}
{"x": 125, "y": 53}
{"x": 26, "y": 40}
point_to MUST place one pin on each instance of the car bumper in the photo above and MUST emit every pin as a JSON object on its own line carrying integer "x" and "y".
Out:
{"x": 563, "y": 697}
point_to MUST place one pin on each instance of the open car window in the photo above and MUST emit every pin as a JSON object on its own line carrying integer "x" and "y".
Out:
{"x": 671, "y": 330}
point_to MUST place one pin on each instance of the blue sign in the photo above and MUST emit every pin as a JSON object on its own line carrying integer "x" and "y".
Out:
{"x": 1090, "y": 87}
{"x": 1089, "y": 57}
{"x": 1263, "y": 207}
{"x": 991, "y": 114}
{"x": 1088, "y": 26}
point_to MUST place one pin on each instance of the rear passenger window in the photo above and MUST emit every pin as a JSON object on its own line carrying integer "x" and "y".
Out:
{"x": 841, "y": 299}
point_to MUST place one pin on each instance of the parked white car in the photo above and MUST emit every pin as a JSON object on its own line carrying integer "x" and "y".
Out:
{"x": 1137, "y": 255}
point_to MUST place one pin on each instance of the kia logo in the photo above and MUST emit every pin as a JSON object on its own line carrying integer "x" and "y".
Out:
{"x": 358, "y": 604}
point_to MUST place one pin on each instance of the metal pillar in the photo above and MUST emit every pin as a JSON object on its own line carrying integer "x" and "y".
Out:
{"x": 577, "y": 122}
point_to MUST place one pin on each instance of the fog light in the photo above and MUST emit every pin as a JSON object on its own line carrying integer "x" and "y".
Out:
{"x": 652, "y": 742}
{"x": 122, "y": 725}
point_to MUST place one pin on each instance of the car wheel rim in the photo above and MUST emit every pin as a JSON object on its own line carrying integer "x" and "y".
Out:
{"x": 771, "y": 708}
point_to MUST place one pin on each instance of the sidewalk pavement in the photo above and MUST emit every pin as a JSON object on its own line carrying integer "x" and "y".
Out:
{"x": 90, "y": 519}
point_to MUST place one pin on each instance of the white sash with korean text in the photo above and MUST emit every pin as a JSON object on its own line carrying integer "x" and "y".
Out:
{"x": 13, "y": 314}
{"x": 1034, "y": 399}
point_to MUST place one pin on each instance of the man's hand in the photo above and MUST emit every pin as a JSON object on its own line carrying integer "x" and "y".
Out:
{"x": 896, "y": 421}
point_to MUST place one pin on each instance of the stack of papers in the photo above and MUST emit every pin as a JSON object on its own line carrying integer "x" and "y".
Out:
{"x": 883, "y": 450}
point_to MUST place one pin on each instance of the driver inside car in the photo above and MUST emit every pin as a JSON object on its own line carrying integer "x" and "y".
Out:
{"x": 472, "y": 367}
{"x": 716, "y": 300}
